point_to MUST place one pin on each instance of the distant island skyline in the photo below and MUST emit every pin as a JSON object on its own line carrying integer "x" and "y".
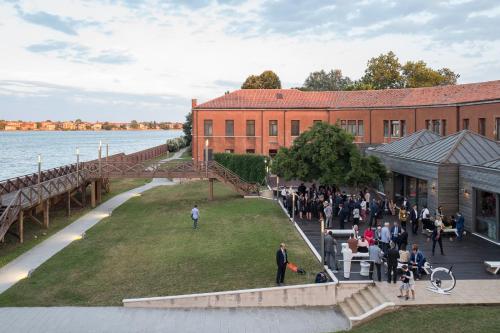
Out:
{"x": 79, "y": 125}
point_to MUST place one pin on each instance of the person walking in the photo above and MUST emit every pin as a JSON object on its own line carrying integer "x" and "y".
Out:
{"x": 460, "y": 226}
{"x": 437, "y": 238}
{"x": 375, "y": 261}
{"x": 392, "y": 263}
{"x": 281, "y": 262}
{"x": 328, "y": 214}
{"x": 414, "y": 219}
{"x": 403, "y": 240}
{"x": 195, "y": 215}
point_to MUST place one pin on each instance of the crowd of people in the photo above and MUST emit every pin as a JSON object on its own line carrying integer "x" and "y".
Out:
{"x": 385, "y": 242}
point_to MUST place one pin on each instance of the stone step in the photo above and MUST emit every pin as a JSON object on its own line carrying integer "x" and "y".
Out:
{"x": 377, "y": 293}
{"x": 370, "y": 298}
{"x": 358, "y": 297}
{"x": 346, "y": 309}
{"x": 356, "y": 308}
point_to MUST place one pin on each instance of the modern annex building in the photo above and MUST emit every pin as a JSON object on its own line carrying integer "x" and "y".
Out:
{"x": 262, "y": 120}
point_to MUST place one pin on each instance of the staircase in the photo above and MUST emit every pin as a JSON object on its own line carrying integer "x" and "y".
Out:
{"x": 227, "y": 176}
{"x": 365, "y": 304}
{"x": 9, "y": 214}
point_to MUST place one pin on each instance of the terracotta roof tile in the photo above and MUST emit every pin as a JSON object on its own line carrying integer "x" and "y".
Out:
{"x": 293, "y": 98}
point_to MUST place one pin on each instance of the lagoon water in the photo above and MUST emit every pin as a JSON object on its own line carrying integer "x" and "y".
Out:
{"x": 19, "y": 150}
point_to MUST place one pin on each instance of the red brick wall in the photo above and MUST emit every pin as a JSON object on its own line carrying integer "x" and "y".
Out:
{"x": 373, "y": 124}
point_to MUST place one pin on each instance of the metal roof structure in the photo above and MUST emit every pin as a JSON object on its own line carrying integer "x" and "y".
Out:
{"x": 409, "y": 142}
{"x": 494, "y": 164}
{"x": 464, "y": 147}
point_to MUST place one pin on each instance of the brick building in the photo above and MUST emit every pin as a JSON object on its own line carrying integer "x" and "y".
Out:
{"x": 263, "y": 120}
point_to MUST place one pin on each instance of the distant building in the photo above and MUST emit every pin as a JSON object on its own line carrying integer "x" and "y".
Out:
{"x": 28, "y": 126}
{"x": 12, "y": 125}
{"x": 69, "y": 125}
{"x": 97, "y": 126}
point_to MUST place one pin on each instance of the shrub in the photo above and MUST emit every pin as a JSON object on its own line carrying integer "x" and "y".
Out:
{"x": 251, "y": 168}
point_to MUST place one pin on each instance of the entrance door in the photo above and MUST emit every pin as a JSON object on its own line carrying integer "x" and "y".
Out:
{"x": 210, "y": 154}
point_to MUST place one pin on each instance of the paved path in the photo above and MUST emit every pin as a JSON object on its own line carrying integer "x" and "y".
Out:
{"x": 20, "y": 267}
{"x": 116, "y": 319}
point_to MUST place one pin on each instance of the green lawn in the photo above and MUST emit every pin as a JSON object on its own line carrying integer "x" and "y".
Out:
{"x": 148, "y": 248}
{"x": 34, "y": 233}
{"x": 186, "y": 155}
{"x": 454, "y": 319}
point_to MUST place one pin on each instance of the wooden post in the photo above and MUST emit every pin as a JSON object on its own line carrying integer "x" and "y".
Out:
{"x": 211, "y": 189}
{"x": 69, "y": 203}
{"x": 84, "y": 194}
{"x": 20, "y": 227}
{"x": 46, "y": 207}
{"x": 93, "y": 194}
{"x": 98, "y": 191}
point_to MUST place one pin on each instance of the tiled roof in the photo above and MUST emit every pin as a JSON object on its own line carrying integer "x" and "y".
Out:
{"x": 464, "y": 147}
{"x": 409, "y": 142}
{"x": 412, "y": 97}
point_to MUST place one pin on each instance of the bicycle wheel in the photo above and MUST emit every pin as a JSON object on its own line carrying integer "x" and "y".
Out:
{"x": 443, "y": 278}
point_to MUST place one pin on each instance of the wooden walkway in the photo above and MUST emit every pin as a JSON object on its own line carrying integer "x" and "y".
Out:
{"x": 467, "y": 257}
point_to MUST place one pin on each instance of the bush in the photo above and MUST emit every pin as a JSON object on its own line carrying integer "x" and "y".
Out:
{"x": 251, "y": 168}
{"x": 176, "y": 144}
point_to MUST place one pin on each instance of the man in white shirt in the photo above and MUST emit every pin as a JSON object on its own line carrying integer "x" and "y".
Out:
{"x": 426, "y": 218}
{"x": 195, "y": 215}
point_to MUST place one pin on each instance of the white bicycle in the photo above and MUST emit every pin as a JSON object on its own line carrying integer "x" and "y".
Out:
{"x": 442, "y": 279}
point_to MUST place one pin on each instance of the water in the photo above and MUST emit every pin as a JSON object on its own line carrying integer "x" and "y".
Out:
{"x": 19, "y": 150}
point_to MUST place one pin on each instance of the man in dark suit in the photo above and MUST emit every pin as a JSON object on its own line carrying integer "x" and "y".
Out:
{"x": 281, "y": 261}
{"x": 414, "y": 219}
{"x": 392, "y": 263}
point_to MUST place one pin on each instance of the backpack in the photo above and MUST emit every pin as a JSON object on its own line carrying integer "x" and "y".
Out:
{"x": 321, "y": 278}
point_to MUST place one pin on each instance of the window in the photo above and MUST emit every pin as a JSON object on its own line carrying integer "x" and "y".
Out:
{"x": 295, "y": 127}
{"x": 250, "y": 151}
{"x": 208, "y": 127}
{"x": 343, "y": 125}
{"x": 395, "y": 128}
{"x": 465, "y": 124}
{"x": 272, "y": 152}
{"x": 273, "y": 128}
{"x": 443, "y": 127}
{"x": 351, "y": 127}
{"x": 403, "y": 127}
{"x": 486, "y": 214}
{"x": 361, "y": 128}
{"x": 436, "y": 126}
{"x": 229, "y": 151}
{"x": 481, "y": 126}
{"x": 229, "y": 127}
{"x": 250, "y": 127}
{"x": 386, "y": 128}
{"x": 428, "y": 125}
{"x": 497, "y": 129}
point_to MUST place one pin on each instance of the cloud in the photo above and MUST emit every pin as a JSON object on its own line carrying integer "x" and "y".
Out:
{"x": 34, "y": 100}
{"x": 66, "y": 25}
{"x": 80, "y": 53}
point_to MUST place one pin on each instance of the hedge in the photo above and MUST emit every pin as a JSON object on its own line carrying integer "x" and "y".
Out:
{"x": 251, "y": 168}
{"x": 176, "y": 144}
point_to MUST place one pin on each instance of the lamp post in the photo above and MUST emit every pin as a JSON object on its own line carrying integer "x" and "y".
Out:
{"x": 206, "y": 157}
{"x": 39, "y": 177}
{"x": 77, "y": 166}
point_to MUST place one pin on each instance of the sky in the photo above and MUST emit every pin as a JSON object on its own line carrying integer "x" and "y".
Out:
{"x": 119, "y": 60}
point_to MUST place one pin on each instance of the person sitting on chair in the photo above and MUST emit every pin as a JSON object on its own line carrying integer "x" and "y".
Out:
{"x": 417, "y": 261}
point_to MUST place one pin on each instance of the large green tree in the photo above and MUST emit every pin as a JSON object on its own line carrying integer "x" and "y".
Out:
{"x": 383, "y": 72}
{"x": 418, "y": 74}
{"x": 187, "y": 128}
{"x": 327, "y": 154}
{"x": 323, "y": 81}
{"x": 266, "y": 80}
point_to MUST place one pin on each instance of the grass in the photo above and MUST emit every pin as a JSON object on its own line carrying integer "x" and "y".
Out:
{"x": 455, "y": 319}
{"x": 34, "y": 234}
{"x": 148, "y": 248}
{"x": 186, "y": 155}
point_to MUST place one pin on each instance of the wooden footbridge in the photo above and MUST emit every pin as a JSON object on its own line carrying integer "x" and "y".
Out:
{"x": 26, "y": 196}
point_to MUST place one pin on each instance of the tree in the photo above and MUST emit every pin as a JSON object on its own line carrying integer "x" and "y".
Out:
{"x": 449, "y": 77}
{"x": 418, "y": 74}
{"x": 327, "y": 154}
{"x": 323, "y": 81}
{"x": 134, "y": 124}
{"x": 266, "y": 80}
{"x": 383, "y": 72}
{"x": 187, "y": 127}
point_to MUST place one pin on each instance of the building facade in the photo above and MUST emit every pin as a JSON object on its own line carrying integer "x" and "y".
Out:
{"x": 263, "y": 120}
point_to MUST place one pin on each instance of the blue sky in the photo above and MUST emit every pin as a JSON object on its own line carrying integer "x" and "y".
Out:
{"x": 122, "y": 60}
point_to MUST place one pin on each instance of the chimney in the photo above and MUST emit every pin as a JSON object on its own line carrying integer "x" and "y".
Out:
{"x": 194, "y": 102}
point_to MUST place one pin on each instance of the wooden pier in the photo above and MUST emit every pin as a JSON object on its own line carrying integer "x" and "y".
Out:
{"x": 22, "y": 197}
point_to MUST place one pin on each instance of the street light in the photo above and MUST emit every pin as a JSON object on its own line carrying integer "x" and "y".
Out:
{"x": 206, "y": 157}
{"x": 77, "y": 166}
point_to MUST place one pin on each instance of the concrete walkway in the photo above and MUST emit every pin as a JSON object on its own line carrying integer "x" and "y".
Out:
{"x": 116, "y": 319}
{"x": 20, "y": 267}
